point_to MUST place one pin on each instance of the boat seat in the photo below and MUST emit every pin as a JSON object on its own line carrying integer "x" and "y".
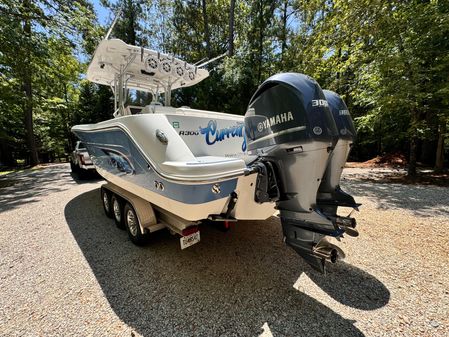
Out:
{"x": 204, "y": 167}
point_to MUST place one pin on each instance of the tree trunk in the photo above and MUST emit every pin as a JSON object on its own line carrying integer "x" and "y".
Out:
{"x": 411, "y": 172}
{"x": 284, "y": 30}
{"x": 379, "y": 139}
{"x": 6, "y": 157}
{"x": 231, "y": 29}
{"x": 28, "y": 89}
{"x": 67, "y": 118}
{"x": 131, "y": 28}
{"x": 260, "y": 45}
{"x": 439, "y": 162}
{"x": 206, "y": 29}
{"x": 127, "y": 26}
{"x": 426, "y": 154}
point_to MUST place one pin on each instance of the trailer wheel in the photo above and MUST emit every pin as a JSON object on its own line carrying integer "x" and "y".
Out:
{"x": 117, "y": 210}
{"x": 106, "y": 201}
{"x": 82, "y": 174}
{"x": 133, "y": 226}
{"x": 73, "y": 167}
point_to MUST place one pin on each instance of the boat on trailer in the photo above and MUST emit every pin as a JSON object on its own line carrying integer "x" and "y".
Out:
{"x": 182, "y": 167}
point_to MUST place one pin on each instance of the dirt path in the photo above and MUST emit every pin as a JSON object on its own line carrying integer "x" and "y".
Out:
{"x": 65, "y": 269}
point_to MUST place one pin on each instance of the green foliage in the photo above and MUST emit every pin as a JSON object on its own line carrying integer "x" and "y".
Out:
{"x": 39, "y": 72}
{"x": 388, "y": 59}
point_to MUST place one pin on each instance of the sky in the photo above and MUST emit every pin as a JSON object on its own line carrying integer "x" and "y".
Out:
{"x": 104, "y": 15}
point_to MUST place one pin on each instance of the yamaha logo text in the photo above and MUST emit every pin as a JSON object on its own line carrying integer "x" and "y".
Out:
{"x": 275, "y": 120}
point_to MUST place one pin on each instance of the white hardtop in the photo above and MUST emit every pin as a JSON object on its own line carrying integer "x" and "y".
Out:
{"x": 182, "y": 111}
{"x": 143, "y": 69}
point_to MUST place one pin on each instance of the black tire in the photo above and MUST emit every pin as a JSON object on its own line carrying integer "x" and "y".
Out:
{"x": 117, "y": 211}
{"x": 73, "y": 167}
{"x": 106, "y": 201}
{"x": 82, "y": 174}
{"x": 133, "y": 227}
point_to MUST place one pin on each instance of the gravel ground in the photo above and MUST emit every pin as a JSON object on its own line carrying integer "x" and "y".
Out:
{"x": 65, "y": 269}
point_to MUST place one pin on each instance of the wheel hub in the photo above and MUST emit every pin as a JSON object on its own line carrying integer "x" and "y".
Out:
{"x": 116, "y": 207}
{"x": 106, "y": 202}
{"x": 132, "y": 223}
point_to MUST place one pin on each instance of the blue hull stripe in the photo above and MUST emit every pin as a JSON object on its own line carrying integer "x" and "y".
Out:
{"x": 114, "y": 151}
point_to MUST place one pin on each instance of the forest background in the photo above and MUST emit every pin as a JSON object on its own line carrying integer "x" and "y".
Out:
{"x": 388, "y": 59}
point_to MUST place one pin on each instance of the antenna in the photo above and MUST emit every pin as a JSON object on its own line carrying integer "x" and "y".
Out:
{"x": 210, "y": 61}
{"x": 117, "y": 15}
{"x": 202, "y": 60}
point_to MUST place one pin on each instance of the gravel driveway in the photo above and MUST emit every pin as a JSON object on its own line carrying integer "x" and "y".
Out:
{"x": 65, "y": 269}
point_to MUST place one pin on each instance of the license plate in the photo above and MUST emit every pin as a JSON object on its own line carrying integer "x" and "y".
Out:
{"x": 189, "y": 240}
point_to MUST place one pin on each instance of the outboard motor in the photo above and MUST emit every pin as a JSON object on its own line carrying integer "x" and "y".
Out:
{"x": 330, "y": 195}
{"x": 290, "y": 128}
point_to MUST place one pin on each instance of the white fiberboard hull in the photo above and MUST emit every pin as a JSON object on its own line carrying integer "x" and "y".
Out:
{"x": 192, "y": 176}
{"x": 201, "y": 165}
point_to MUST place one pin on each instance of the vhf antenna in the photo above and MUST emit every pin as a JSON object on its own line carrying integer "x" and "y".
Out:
{"x": 117, "y": 15}
{"x": 212, "y": 60}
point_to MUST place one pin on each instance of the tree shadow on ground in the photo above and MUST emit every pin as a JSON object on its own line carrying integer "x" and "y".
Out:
{"x": 30, "y": 185}
{"x": 423, "y": 201}
{"x": 19, "y": 188}
{"x": 230, "y": 284}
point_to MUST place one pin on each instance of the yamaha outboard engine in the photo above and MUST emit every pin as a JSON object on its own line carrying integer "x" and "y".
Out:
{"x": 290, "y": 128}
{"x": 330, "y": 195}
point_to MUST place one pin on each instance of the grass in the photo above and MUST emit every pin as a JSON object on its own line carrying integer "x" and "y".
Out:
{"x": 19, "y": 170}
{"x": 2, "y": 173}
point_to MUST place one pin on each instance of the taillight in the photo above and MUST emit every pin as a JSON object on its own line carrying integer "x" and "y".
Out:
{"x": 82, "y": 159}
{"x": 189, "y": 230}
